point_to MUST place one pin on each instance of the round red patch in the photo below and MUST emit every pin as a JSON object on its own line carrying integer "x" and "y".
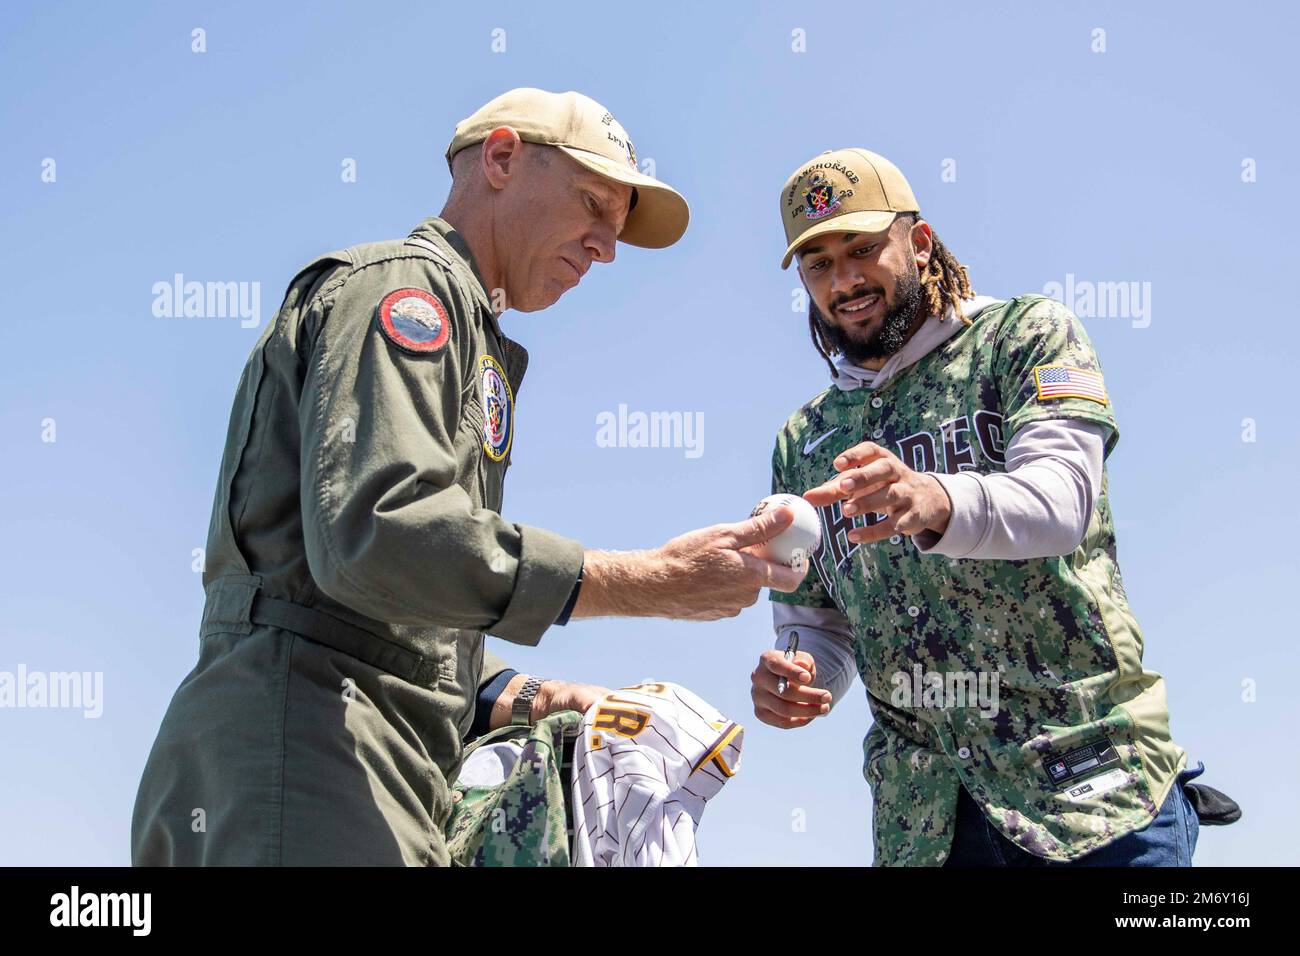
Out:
{"x": 415, "y": 320}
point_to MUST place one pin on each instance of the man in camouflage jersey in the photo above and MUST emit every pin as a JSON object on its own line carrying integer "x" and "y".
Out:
{"x": 967, "y": 570}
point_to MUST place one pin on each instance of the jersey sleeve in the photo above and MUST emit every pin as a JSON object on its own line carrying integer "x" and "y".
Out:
{"x": 810, "y": 592}
{"x": 388, "y": 529}
{"x": 1046, "y": 368}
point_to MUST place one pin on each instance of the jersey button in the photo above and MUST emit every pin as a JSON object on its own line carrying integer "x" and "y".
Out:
{"x": 963, "y": 753}
{"x": 878, "y": 433}
{"x": 895, "y": 538}
{"x": 914, "y": 611}
{"x": 877, "y": 402}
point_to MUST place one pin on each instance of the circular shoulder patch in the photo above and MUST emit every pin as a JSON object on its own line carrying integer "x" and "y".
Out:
{"x": 498, "y": 409}
{"x": 415, "y": 320}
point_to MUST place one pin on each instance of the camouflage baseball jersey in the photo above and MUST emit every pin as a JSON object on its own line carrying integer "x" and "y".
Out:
{"x": 520, "y": 821}
{"x": 1077, "y": 750}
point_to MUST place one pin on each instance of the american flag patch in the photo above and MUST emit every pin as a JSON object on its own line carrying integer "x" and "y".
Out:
{"x": 1062, "y": 381}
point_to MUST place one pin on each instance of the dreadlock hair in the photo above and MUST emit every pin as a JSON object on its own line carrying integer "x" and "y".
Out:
{"x": 944, "y": 283}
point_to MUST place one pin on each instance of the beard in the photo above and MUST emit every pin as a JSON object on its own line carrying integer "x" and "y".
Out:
{"x": 892, "y": 333}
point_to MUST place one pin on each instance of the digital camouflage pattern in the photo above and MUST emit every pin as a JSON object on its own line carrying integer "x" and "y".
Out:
{"x": 1057, "y": 631}
{"x": 522, "y": 821}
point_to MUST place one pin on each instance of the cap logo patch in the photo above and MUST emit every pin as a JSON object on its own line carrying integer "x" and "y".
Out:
{"x": 820, "y": 199}
{"x": 498, "y": 409}
{"x": 817, "y": 179}
{"x": 414, "y": 320}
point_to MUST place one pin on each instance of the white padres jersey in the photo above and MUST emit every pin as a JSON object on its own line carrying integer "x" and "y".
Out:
{"x": 648, "y": 759}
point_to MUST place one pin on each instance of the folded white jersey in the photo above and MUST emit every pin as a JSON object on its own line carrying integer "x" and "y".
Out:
{"x": 648, "y": 759}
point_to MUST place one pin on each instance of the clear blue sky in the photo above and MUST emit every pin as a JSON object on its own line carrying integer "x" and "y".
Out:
{"x": 1122, "y": 166}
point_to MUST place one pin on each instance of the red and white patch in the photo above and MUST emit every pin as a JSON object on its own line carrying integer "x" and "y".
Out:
{"x": 415, "y": 320}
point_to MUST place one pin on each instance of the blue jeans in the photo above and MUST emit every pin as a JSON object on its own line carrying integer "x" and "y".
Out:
{"x": 1168, "y": 840}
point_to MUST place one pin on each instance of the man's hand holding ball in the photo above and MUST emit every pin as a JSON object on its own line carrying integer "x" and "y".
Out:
{"x": 795, "y": 544}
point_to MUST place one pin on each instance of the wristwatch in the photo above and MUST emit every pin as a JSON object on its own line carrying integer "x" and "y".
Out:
{"x": 521, "y": 711}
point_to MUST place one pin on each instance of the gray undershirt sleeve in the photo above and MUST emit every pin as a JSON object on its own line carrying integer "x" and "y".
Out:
{"x": 1039, "y": 508}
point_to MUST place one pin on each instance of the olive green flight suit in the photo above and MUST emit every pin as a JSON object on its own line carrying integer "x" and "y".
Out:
{"x": 356, "y": 557}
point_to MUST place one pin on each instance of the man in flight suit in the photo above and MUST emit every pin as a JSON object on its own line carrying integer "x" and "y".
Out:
{"x": 356, "y": 554}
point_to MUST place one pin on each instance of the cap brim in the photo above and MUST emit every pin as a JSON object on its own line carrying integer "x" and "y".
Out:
{"x": 661, "y": 214}
{"x": 867, "y": 221}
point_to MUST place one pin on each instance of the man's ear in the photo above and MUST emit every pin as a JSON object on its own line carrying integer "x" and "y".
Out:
{"x": 922, "y": 243}
{"x": 500, "y": 155}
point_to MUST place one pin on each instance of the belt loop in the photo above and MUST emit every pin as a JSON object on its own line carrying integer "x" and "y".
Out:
{"x": 227, "y": 604}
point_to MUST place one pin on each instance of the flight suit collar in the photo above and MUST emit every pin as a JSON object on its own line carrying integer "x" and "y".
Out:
{"x": 441, "y": 233}
{"x": 444, "y": 234}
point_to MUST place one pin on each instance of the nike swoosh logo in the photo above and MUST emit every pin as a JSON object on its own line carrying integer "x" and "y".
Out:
{"x": 810, "y": 445}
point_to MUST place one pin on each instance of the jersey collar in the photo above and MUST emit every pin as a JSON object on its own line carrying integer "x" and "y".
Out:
{"x": 932, "y": 333}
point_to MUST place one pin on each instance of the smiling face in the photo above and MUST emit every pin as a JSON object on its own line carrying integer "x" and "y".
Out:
{"x": 867, "y": 287}
{"x": 553, "y": 218}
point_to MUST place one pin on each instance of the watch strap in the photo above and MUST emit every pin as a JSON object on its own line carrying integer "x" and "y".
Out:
{"x": 521, "y": 710}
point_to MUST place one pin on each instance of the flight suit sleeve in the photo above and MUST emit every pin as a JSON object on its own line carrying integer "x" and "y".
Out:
{"x": 811, "y": 592}
{"x": 1045, "y": 368}
{"x": 388, "y": 530}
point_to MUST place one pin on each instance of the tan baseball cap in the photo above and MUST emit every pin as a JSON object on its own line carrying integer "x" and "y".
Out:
{"x": 842, "y": 190}
{"x": 588, "y": 133}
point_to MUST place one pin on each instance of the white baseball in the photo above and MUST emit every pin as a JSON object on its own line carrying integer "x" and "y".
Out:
{"x": 795, "y": 544}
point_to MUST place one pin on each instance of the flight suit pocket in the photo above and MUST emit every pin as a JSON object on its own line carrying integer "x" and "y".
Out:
{"x": 482, "y": 478}
{"x": 472, "y": 418}
{"x": 469, "y": 444}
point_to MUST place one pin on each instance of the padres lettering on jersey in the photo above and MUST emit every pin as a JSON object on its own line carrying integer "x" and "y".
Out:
{"x": 1078, "y": 751}
{"x": 649, "y": 758}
